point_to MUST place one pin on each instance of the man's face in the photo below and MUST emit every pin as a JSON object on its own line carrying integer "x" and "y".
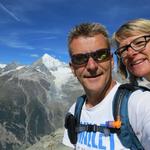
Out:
{"x": 94, "y": 76}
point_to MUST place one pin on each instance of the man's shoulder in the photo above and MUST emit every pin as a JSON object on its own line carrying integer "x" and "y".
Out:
{"x": 72, "y": 108}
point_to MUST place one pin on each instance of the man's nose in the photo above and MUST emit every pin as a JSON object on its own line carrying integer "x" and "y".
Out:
{"x": 91, "y": 64}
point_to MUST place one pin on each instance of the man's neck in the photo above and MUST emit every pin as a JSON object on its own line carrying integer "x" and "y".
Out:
{"x": 148, "y": 77}
{"x": 93, "y": 98}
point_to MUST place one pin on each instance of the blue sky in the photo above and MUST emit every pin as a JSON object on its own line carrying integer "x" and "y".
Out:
{"x": 30, "y": 28}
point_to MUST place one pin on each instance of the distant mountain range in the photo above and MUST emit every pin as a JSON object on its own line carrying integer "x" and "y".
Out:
{"x": 32, "y": 100}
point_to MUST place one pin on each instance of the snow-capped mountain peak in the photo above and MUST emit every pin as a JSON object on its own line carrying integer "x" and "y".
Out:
{"x": 57, "y": 68}
{"x": 2, "y": 65}
{"x": 50, "y": 61}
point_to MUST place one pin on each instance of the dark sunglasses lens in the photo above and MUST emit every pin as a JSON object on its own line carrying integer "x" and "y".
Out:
{"x": 79, "y": 59}
{"x": 99, "y": 55}
{"x": 102, "y": 55}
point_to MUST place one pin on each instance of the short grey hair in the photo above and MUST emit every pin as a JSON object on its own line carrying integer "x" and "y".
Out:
{"x": 87, "y": 30}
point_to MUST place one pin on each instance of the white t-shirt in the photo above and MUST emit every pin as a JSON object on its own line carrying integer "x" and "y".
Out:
{"x": 102, "y": 112}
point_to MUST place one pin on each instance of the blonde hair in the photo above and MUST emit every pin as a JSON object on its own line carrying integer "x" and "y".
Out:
{"x": 129, "y": 29}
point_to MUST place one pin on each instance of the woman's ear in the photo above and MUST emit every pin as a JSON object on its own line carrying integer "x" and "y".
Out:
{"x": 122, "y": 69}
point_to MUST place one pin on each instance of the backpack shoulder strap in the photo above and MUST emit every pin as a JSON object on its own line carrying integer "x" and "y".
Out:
{"x": 120, "y": 108}
{"x": 78, "y": 108}
{"x": 72, "y": 121}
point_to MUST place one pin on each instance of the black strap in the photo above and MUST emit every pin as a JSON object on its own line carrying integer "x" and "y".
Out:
{"x": 95, "y": 128}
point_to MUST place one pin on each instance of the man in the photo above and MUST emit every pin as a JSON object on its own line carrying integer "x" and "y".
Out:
{"x": 92, "y": 63}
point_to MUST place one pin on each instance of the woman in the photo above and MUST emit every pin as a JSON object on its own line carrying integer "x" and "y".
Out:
{"x": 133, "y": 48}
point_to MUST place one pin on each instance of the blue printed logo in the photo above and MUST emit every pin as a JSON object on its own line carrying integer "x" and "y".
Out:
{"x": 96, "y": 140}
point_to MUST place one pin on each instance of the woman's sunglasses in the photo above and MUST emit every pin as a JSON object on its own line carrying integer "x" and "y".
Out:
{"x": 98, "y": 56}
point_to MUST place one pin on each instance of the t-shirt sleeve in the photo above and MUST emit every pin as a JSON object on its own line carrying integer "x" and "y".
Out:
{"x": 139, "y": 116}
{"x": 66, "y": 140}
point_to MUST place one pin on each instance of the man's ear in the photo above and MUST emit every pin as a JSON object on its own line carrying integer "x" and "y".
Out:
{"x": 72, "y": 68}
{"x": 112, "y": 61}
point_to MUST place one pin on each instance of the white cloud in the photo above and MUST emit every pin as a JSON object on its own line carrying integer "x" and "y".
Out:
{"x": 13, "y": 42}
{"x": 34, "y": 55}
{"x": 47, "y": 49}
{"x": 9, "y": 12}
{"x": 45, "y": 38}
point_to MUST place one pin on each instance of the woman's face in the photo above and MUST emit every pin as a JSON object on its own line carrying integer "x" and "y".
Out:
{"x": 137, "y": 61}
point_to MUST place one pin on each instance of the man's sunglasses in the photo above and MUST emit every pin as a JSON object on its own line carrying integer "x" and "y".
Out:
{"x": 98, "y": 56}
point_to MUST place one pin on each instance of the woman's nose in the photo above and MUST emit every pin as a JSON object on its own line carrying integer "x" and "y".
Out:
{"x": 131, "y": 52}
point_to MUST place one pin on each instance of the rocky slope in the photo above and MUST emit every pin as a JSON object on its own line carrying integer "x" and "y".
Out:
{"x": 32, "y": 100}
{"x": 51, "y": 142}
